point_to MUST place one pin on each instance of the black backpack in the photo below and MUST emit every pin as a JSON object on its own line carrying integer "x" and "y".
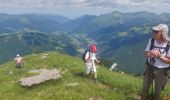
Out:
{"x": 84, "y": 54}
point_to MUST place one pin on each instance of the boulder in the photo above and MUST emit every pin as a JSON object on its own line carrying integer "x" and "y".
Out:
{"x": 44, "y": 75}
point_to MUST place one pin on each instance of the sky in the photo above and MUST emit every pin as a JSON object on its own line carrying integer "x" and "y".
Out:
{"x": 76, "y": 8}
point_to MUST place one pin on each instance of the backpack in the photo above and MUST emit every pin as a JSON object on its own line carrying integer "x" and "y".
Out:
{"x": 167, "y": 71}
{"x": 166, "y": 48}
{"x": 152, "y": 46}
{"x": 84, "y": 54}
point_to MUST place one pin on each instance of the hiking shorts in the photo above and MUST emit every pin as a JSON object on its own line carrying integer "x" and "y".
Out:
{"x": 18, "y": 65}
{"x": 90, "y": 68}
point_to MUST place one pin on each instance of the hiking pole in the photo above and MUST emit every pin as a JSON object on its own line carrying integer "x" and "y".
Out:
{"x": 150, "y": 85}
{"x": 152, "y": 81}
{"x": 148, "y": 76}
{"x": 149, "y": 70}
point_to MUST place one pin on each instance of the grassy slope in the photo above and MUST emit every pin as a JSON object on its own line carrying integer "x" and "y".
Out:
{"x": 111, "y": 85}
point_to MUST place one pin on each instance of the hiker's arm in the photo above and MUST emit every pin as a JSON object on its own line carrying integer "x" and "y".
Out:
{"x": 22, "y": 61}
{"x": 152, "y": 53}
{"x": 156, "y": 53}
{"x": 97, "y": 61}
{"x": 164, "y": 59}
{"x": 87, "y": 58}
{"x": 148, "y": 54}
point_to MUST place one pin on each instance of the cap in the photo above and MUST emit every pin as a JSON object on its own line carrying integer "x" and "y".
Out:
{"x": 93, "y": 48}
{"x": 160, "y": 27}
{"x": 17, "y": 55}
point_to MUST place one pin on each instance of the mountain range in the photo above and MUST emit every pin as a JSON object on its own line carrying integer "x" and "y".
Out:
{"x": 120, "y": 37}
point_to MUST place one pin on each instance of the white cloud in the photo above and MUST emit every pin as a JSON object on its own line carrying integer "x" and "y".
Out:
{"x": 84, "y": 6}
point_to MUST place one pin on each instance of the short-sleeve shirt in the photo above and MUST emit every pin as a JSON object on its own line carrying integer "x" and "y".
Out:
{"x": 92, "y": 57}
{"x": 18, "y": 60}
{"x": 158, "y": 63}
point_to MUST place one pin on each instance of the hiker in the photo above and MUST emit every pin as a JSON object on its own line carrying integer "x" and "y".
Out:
{"x": 18, "y": 61}
{"x": 90, "y": 59}
{"x": 158, "y": 59}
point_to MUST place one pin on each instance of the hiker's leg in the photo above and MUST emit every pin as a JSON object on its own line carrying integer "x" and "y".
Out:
{"x": 147, "y": 81}
{"x": 19, "y": 67}
{"x": 95, "y": 77}
{"x": 165, "y": 79}
{"x": 94, "y": 72}
{"x": 87, "y": 70}
{"x": 160, "y": 81}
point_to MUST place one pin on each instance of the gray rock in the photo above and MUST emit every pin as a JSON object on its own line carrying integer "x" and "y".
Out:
{"x": 44, "y": 75}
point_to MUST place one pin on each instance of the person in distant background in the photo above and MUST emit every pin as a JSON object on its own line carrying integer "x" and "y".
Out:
{"x": 157, "y": 53}
{"x": 18, "y": 61}
{"x": 90, "y": 59}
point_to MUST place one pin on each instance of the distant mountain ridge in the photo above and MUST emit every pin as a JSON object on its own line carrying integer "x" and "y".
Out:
{"x": 33, "y": 42}
{"x": 39, "y": 22}
{"x": 113, "y": 33}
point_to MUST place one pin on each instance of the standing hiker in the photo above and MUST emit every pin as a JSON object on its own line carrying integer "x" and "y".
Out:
{"x": 18, "y": 61}
{"x": 90, "y": 59}
{"x": 158, "y": 59}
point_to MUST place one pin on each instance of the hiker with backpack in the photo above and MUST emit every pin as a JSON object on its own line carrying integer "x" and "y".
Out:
{"x": 90, "y": 60}
{"x": 157, "y": 53}
{"x": 18, "y": 61}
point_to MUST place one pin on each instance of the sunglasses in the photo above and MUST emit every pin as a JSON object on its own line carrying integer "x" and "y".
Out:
{"x": 156, "y": 32}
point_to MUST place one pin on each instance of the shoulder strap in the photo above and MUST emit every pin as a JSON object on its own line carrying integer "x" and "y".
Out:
{"x": 152, "y": 43}
{"x": 159, "y": 47}
{"x": 167, "y": 47}
{"x": 89, "y": 53}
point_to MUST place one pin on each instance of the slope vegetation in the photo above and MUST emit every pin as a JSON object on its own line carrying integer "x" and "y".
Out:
{"x": 72, "y": 86}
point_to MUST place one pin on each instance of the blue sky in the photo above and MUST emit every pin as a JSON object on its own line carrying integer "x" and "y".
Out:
{"x": 76, "y": 8}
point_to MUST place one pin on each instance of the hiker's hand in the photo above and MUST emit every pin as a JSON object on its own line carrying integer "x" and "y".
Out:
{"x": 87, "y": 60}
{"x": 97, "y": 61}
{"x": 155, "y": 53}
{"x": 149, "y": 54}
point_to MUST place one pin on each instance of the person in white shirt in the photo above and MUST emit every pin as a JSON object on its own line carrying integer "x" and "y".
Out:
{"x": 90, "y": 59}
{"x": 18, "y": 61}
{"x": 158, "y": 61}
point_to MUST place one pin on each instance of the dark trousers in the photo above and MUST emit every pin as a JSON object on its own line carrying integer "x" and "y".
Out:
{"x": 159, "y": 76}
{"x": 18, "y": 65}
